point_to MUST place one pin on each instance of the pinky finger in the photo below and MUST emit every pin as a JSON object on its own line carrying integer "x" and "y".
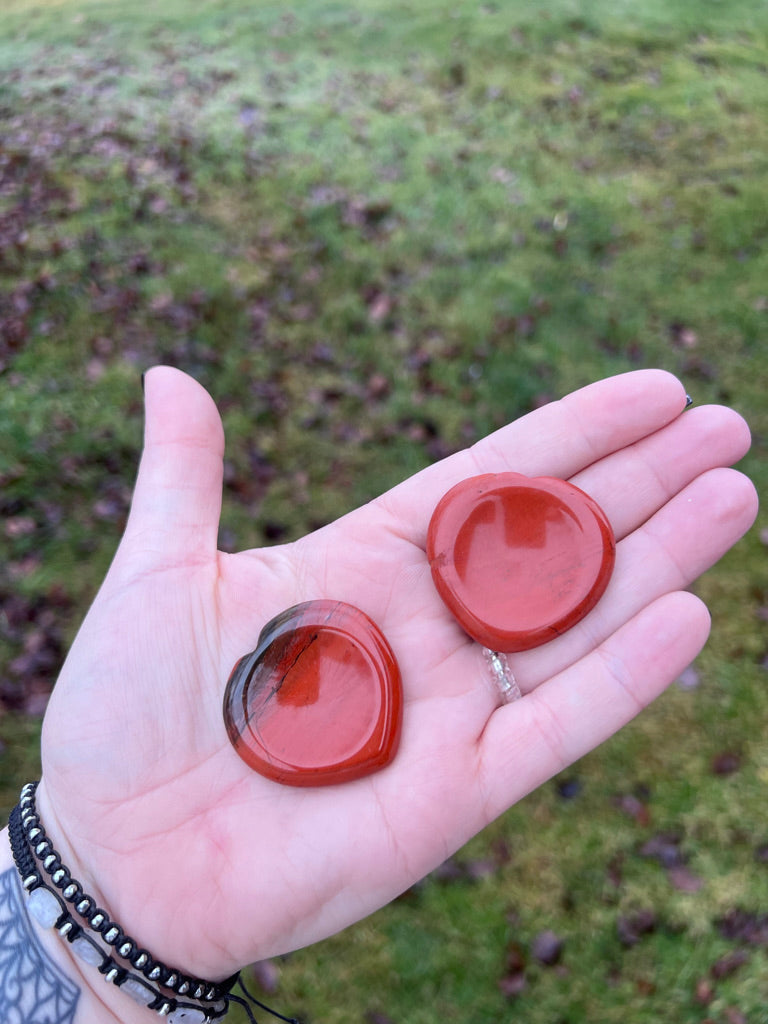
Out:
{"x": 527, "y": 742}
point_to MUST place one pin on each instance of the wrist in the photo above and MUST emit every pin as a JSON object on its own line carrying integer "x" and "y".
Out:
{"x": 57, "y": 901}
{"x": 66, "y": 980}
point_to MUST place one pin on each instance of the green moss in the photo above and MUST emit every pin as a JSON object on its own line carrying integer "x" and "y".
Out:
{"x": 376, "y": 232}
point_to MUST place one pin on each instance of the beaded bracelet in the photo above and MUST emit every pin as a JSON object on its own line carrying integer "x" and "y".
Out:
{"x": 98, "y": 920}
{"x": 28, "y": 842}
{"x": 50, "y": 910}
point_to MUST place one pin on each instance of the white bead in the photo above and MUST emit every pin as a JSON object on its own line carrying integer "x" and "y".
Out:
{"x": 44, "y": 907}
{"x": 138, "y": 992}
{"x": 87, "y": 952}
{"x": 187, "y": 1015}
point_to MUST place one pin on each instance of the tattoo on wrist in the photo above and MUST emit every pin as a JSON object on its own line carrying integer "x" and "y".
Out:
{"x": 32, "y": 988}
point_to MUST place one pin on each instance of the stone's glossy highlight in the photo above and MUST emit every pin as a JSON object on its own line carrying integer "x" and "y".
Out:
{"x": 519, "y": 560}
{"x": 320, "y": 699}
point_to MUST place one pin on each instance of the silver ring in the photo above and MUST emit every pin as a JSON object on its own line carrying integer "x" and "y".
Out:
{"x": 501, "y": 673}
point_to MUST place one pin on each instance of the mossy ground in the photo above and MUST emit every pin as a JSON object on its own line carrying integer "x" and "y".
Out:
{"x": 375, "y": 232}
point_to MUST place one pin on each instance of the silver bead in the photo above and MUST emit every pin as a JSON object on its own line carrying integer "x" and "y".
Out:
{"x": 30, "y": 880}
{"x": 97, "y": 920}
{"x": 183, "y": 988}
{"x": 154, "y": 974}
{"x": 111, "y": 975}
{"x": 125, "y": 950}
{"x": 49, "y": 861}
{"x": 58, "y": 876}
{"x": 42, "y": 847}
{"x": 111, "y": 934}
{"x": 83, "y": 906}
{"x": 198, "y": 993}
{"x": 33, "y": 834}
{"x": 142, "y": 961}
{"x": 171, "y": 980}
{"x": 70, "y": 891}
{"x": 65, "y": 929}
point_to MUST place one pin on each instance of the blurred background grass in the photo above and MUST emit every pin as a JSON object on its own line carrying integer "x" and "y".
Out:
{"x": 375, "y": 232}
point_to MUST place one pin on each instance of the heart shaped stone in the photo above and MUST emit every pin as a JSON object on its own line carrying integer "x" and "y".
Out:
{"x": 519, "y": 560}
{"x": 320, "y": 699}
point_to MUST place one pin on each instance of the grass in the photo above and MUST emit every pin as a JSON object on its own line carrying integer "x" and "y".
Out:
{"x": 375, "y": 232}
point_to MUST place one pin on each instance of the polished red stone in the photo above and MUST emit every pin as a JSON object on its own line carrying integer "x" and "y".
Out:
{"x": 518, "y": 560}
{"x": 320, "y": 699}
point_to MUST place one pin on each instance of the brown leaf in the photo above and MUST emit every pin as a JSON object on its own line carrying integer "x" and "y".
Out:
{"x": 728, "y": 964}
{"x": 689, "y": 678}
{"x": 683, "y": 879}
{"x": 705, "y": 992}
{"x": 634, "y": 808}
{"x": 744, "y": 926}
{"x": 266, "y": 974}
{"x": 19, "y": 526}
{"x": 547, "y": 948}
{"x": 734, "y": 1015}
{"x": 683, "y": 336}
{"x": 380, "y": 307}
{"x": 512, "y": 985}
{"x": 632, "y": 927}
{"x": 664, "y": 847}
{"x": 726, "y": 762}
{"x": 513, "y": 981}
{"x": 377, "y": 386}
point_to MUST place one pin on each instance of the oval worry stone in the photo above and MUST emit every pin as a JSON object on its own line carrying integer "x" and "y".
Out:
{"x": 320, "y": 699}
{"x": 517, "y": 560}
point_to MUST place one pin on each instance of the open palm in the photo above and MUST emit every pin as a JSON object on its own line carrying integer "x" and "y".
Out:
{"x": 211, "y": 866}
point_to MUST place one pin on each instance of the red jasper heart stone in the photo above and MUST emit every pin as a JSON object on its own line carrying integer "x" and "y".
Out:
{"x": 320, "y": 699}
{"x": 518, "y": 560}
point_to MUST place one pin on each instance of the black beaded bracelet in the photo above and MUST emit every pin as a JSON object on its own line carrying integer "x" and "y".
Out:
{"x": 32, "y": 850}
{"x": 50, "y": 910}
{"x": 99, "y": 921}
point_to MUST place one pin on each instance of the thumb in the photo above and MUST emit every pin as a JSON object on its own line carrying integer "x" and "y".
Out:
{"x": 176, "y": 505}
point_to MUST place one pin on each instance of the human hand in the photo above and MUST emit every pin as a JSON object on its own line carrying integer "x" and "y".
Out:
{"x": 209, "y": 865}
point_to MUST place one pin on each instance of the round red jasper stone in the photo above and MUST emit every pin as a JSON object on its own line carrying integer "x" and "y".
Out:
{"x": 518, "y": 560}
{"x": 320, "y": 699}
